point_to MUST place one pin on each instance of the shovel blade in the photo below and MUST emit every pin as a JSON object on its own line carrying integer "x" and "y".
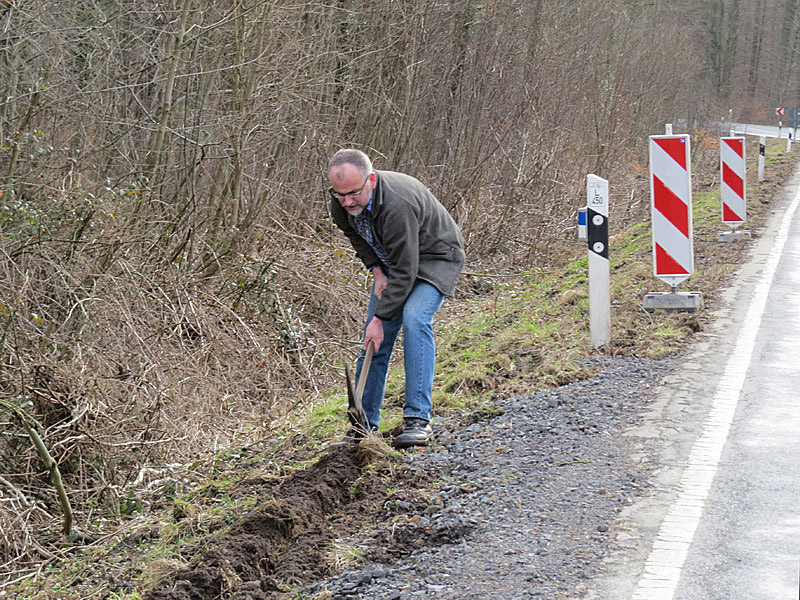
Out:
{"x": 355, "y": 412}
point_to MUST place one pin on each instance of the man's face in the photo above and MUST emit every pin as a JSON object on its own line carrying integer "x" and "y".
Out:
{"x": 351, "y": 188}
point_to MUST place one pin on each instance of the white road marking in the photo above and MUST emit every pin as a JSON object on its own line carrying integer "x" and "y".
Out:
{"x": 663, "y": 567}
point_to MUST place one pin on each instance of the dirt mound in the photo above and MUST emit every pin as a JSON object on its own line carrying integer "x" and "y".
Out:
{"x": 289, "y": 539}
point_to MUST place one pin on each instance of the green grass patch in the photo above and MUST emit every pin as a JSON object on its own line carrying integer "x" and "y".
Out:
{"x": 705, "y": 207}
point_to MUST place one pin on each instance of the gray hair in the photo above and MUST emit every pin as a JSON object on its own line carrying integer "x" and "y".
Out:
{"x": 353, "y": 157}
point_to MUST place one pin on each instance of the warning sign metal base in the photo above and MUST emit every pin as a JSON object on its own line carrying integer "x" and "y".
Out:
{"x": 730, "y": 236}
{"x": 674, "y": 301}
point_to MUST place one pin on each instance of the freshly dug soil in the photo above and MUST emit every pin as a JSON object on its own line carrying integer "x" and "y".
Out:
{"x": 288, "y": 540}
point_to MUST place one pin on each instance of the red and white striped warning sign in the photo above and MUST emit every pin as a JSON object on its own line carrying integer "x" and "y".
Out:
{"x": 671, "y": 208}
{"x": 732, "y": 173}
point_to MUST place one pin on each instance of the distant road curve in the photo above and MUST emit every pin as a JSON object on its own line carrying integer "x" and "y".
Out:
{"x": 765, "y": 130}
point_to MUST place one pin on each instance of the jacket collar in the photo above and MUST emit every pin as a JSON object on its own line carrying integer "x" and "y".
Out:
{"x": 376, "y": 201}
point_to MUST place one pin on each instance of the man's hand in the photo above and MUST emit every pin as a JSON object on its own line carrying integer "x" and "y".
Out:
{"x": 381, "y": 281}
{"x": 374, "y": 333}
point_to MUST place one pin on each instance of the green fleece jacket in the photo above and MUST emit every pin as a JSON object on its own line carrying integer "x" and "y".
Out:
{"x": 419, "y": 235}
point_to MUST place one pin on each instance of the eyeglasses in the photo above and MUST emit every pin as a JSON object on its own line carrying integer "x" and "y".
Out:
{"x": 341, "y": 197}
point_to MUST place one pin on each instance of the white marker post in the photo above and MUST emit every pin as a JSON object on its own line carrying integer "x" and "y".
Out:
{"x": 599, "y": 281}
{"x": 762, "y": 153}
{"x": 668, "y": 128}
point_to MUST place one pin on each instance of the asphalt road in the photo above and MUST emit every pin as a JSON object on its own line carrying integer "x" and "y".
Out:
{"x": 765, "y": 130}
{"x": 724, "y": 519}
{"x": 747, "y": 544}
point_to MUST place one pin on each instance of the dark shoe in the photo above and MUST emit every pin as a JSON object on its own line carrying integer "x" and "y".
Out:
{"x": 416, "y": 432}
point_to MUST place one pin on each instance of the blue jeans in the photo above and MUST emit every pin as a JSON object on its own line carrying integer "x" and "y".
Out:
{"x": 419, "y": 354}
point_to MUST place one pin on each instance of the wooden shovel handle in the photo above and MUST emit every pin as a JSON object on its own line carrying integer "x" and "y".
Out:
{"x": 362, "y": 379}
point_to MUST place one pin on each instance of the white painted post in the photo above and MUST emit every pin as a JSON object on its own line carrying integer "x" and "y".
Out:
{"x": 599, "y": 280}
{"x": 789, "y": 140}
{"x": 762, "y": 151}
{"x": 668, "y": 128}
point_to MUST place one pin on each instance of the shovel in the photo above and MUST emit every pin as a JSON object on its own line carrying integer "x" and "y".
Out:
{"x": 355, "y": 410}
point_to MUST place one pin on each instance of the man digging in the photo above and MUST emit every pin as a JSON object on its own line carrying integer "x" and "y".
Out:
{"x": 415, "y": 252}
